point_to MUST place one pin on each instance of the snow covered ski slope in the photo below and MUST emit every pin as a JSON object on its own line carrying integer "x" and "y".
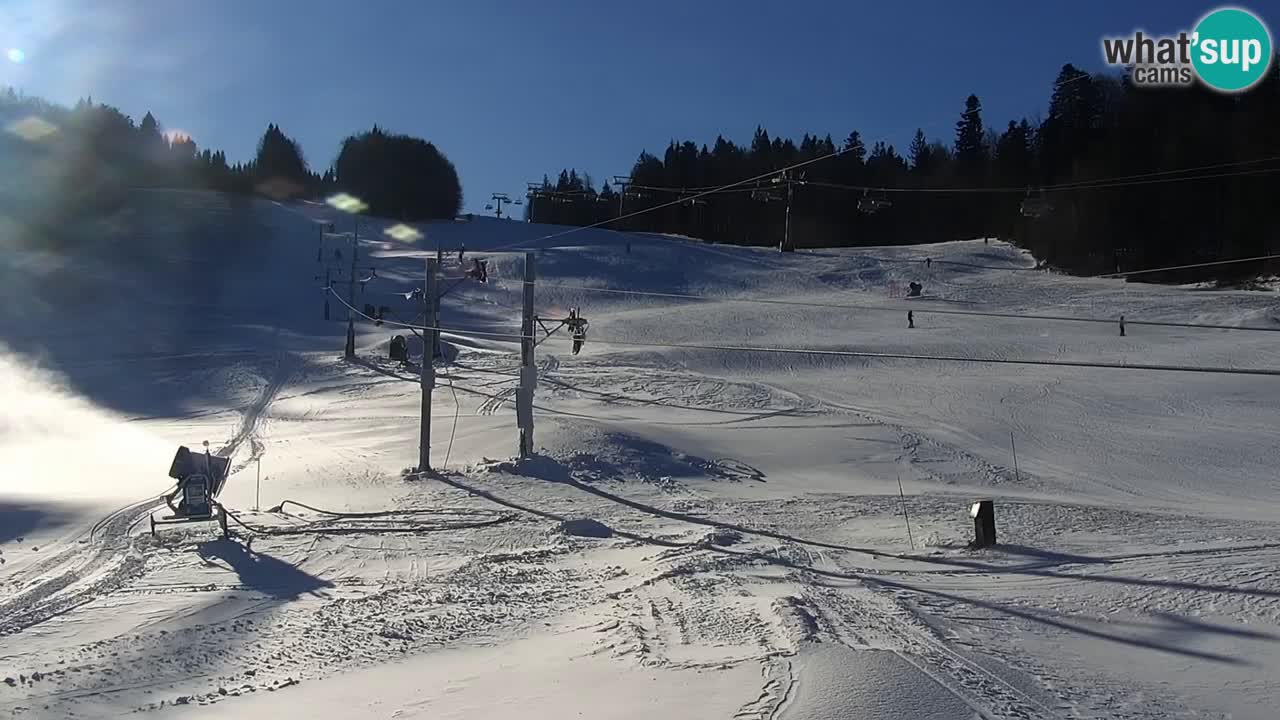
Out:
{"x": 711, "y": 526}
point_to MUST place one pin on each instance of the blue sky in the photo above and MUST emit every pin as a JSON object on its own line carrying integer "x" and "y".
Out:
{"x": 512, "y": 90}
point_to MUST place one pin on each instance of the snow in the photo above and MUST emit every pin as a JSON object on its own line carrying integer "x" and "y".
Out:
{"x": 702, "y": 532}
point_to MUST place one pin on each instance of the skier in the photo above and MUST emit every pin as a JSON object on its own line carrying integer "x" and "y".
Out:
{"x": 928, "y": 262}
{"x": 1121, "y": 326}
{"x": 911, "y": 319}
{"x": 461, "y": 250}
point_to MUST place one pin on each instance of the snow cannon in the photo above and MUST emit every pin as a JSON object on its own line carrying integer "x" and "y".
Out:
{"x": 201, "y": 477}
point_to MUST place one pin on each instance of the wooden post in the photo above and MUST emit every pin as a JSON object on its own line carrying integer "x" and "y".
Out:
{"x": 904, "y": 513}
{"x": 1015, "y": 457}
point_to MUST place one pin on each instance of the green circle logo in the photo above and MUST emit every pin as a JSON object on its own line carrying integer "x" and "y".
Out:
{"x": 1231, "y": 49}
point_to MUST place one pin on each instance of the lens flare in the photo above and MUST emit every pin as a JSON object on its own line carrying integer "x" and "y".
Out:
{"x": 347, "y": 203}
{"x": 32, "y": 128}
{"x": 403, "y": 233}
{"x": 15, "y": 55}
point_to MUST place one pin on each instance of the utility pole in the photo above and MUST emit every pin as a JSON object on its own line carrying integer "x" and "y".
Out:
{"x": 528, "y": 371}
{"x": 533, "y": 191}
{"x": 786, "y": 232}
{"x": 622, "y": 181}
{"x": 428, "y": 376}
{"x": 324, "y": 227}
{"x": 786, "y": 227}
{"x": 351, "y": 294}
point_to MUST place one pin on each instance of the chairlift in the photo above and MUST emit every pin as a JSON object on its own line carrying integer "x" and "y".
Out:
{"x": 577, "y": 328}
{"x": 1035, "y": 207}
{"x": 870, "y": 204}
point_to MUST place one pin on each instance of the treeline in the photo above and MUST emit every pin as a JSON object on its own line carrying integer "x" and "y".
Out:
{"x": 976, "y": 182}
{"x": 86, "y": 158}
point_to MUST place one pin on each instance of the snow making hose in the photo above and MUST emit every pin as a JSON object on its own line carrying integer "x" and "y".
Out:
{"x": 380, "y": 521}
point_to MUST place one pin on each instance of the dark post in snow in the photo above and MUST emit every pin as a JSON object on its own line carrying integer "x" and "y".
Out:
{"x": 351, "y": 294}
{"x": 428, "y": 374}
{"x": 433, "y": 319}
{"x": 786, "y": 231}
{"x": 528, "y": 372}
{"x": 983, "y": 513}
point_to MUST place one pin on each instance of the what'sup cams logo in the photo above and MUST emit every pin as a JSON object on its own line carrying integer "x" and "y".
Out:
{"x": 1229, "y": 50}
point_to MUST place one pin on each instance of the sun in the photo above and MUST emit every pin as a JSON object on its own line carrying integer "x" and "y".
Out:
{"x": 15, "y": 55}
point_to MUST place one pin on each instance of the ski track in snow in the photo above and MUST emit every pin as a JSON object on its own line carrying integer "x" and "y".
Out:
{"x": 108, "y": 557}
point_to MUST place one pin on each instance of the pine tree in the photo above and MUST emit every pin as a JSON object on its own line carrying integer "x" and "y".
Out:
{"x": 399, "y": 176}
{"x": 280, "y": 168}
{"x": 971, "y": 150}
{"x": 920, "y": 154}
{"x": 853, "y": 147}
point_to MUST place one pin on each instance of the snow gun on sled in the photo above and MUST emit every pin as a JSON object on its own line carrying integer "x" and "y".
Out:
{"x": 200, "y": 477}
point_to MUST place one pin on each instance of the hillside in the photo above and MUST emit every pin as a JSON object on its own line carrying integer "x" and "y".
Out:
{"x": 756, "y": 562}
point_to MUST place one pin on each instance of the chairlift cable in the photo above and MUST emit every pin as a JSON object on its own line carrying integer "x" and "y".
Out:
{"x": 938, "y": 311}
{"x": 911, "y": 356}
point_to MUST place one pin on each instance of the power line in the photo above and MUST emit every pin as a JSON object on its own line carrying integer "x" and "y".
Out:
{"x": 896, "y": 356}
{"x": 695, "y": 196}
{"x": 1187, "y": 267}
{"x": 1179, "y": 171}
{"x": 1161, "y": 181}
{"x": 1100, "y": 184}
{"x": 457, "y": 409}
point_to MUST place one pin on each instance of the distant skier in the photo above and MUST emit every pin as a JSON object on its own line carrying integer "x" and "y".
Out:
{"x": 1121, "y": 326}
{"x": 461, "y": 251}
{"x": 911, "y": 319}
{"x": 928, "y": 262}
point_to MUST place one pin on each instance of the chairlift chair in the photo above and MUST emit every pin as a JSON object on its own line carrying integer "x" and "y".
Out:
{"x": 1035, "y": 207}
{"x": 870, "y": 204}
{"x": 577, "y": 328}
